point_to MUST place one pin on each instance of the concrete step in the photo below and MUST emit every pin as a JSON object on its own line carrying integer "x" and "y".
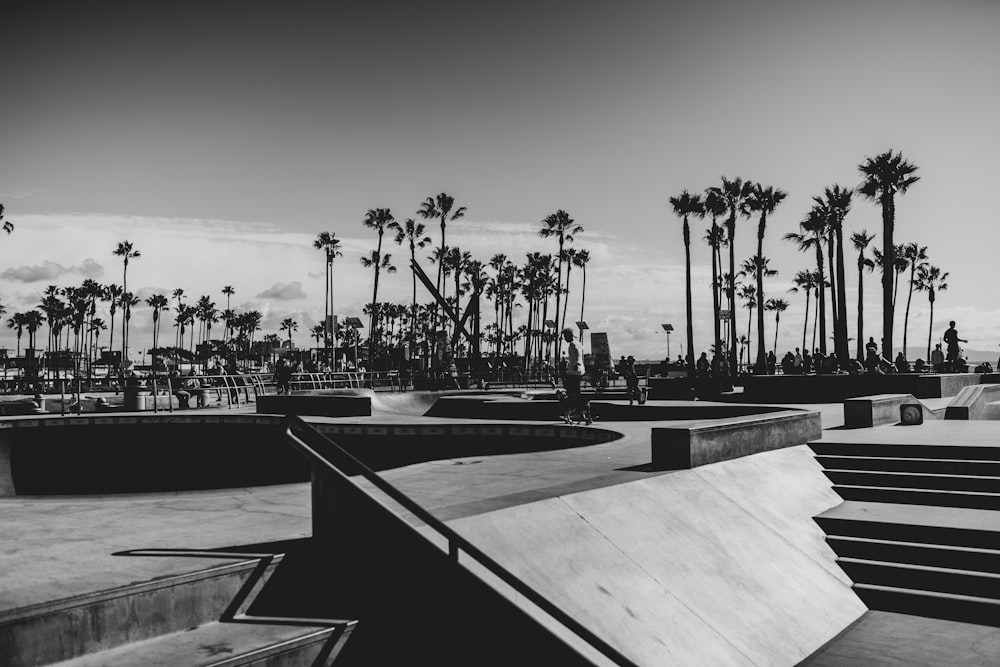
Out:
{"x": 932, "y": 497}
{"x": 963, "y": 452}
{"x": 911, "y": 480}
{"x": 887, "y": 464}
{"x": 901, "y": 522}
{"x": 83, "y": 624}
{"x": 962, "y": 608}
{"x": 922, "y": 577}
{"x": 915, "y": 553}
{"x": 240, "y": 642}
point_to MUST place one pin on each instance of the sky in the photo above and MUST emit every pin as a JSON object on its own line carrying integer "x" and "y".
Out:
{"x": 220, "y": 138}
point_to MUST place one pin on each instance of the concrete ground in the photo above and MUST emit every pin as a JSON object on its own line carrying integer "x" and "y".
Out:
{"x": 55, "y": 547}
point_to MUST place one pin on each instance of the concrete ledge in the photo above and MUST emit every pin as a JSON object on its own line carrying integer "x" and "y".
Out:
{"x": 693, "y": 445}
{"x": 971, "y": 401}
{"x": 837, "y": 388}
{"x": 331, "y": 405}
{"x": 879, "y": 410}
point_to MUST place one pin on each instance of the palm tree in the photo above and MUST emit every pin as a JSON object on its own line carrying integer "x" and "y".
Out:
{"x": 569, "y": 257}
{"x": 931, "y": 280}
{"x": 748, "y": 293}
{"x": 736, "y": 194}
{"x": 179, "y": 295}
{"x": 715, "y": 206}
{"x": 860, "y": 241}
{"x": 440, "y": 208}
{"x": 330, "y": 245}
{"x": 686, "y": 205}
{"x": 581, "y": 260}
{"x": 885, "y": 175}
{"x": 97, "y": 325}
{"x": 156, "y": 302}
{"x": 289, "y": 325}
{"x": 32, "y": 322}
{"x": 318, "y": 332}
{"x": 128, "y": 300}
{"x": 113, "y": 295}
{"x": 17, "y": 322}
{"x": 805, "y": 281}
{"x": 916, "y": 256}
{"x": 126, "y": 251}
{"x": 764, "y": 200}
{"x": 835, "y": 205}
{"x": 377, "y": 219}
{"x": 229, "y": 292}
{"x": 413, "y": 233}
{"x": 562, "y": 227}
{"x": 813, "y": 236}
{"x": 778, "y": 306}
{"x": 8, "y": 226}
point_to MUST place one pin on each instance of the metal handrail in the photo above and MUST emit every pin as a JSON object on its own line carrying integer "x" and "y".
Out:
{"x": 296, "y": 427}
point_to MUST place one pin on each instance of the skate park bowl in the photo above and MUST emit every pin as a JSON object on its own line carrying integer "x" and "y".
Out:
{"x": 143, "y": 454}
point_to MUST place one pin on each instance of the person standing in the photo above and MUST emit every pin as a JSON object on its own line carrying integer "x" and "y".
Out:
{"x": 447, "y": 371}
{"x": 952, "y": 340}
{"x": 574, "y": 373}
{"x": 631, "y": 379}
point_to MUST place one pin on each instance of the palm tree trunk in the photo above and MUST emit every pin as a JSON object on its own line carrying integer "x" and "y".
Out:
{"x": 569, "y": 268}
{"x": 558, "y": 297}
{"x": 840, "y": 342}
{"x": 888, "y": 270}
{"x": 761, "y": 353}
{"x": 830, "y": 251}
{"x": 822, "y": 300}
{"x": 716, "y": 296}
{"x": 861, "y": 309}
{"x": 805, "y": 322}
{"x": 930, "y": 327}
{"x": 688, "y": 301}
{"x": 819, "y": 306}
{"x": 777, "y": 319}
{"x": 731, "y": 289}
{"x": 906, "y": 318}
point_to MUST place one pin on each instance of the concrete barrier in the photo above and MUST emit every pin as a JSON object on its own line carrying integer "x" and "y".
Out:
{"x": 837, "y": 388}
{"x": 879, "y": 410}
{"x": 971, "y": 402}
{"x": 334, "y": 405}
{"x": 692, "y": 445}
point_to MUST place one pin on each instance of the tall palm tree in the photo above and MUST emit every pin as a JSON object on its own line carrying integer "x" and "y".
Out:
{"x": 568, "y": 256}
{"x": 748, "y": 293}
{"x": 441, "y": 208}
{"x": 813, "y": 237}
{"x": 330, "y": 245}
{"x": 860, "y": 241}
{"x": 289, "y": 325}
{"x": 685, "y": 205}
{"x": 931, "y": 280}
{"x": 412, "y": 233}
{"x": 32, "y": 323}
{"x": 229, "y": 292}
{"x": 805, "y": 281}
{"x": 885, "y": 175}
{"x": 715, "y": 207}
{"x": 916, "y": 256}
{"x": 563, "y": 228}
{"x": 128, "y": 301}
{"x": 835, "y": 204}
{"x": 179, "y": 295}
{"x": 113, "y": 295}
{"x": 765, "y": 201}
{"x": 16, "y": 322}
{"x": 317, "y": 332}
{"x": 581, "y": 260}
{"x": 777, "y": 306}
{"x": 736, "y": 195}
{"x": 97, "y": 325}
{"x": 156, "y": 302}
{"x": 379, "y": 263}
{"x": 379, "y": 220}
{"x": 126, "y": 251}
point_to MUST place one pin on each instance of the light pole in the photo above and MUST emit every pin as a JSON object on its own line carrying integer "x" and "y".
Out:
{"x": 668, "y": 328}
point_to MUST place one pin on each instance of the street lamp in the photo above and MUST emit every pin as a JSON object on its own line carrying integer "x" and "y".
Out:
{"x": 668, "y": 328}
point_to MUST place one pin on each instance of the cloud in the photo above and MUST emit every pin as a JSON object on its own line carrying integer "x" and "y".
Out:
{"x": 49, "y": 271}
{"x": 283, "y": 291}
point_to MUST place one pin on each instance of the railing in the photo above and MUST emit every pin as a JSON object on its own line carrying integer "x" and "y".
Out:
{"x": 305, "y": 439}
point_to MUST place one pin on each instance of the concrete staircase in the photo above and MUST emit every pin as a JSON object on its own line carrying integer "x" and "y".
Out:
{"x": 197, "y": 618}
{"x": 919, "y": 531}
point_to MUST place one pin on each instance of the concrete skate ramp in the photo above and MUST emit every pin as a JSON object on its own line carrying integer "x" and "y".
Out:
{"x": 722, "y": 565}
